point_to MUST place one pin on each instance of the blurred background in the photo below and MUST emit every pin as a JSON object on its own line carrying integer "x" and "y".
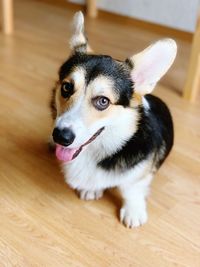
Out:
{"x": 176, "y": 14}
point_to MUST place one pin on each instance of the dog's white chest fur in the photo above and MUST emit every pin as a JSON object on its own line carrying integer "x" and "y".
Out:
{"x": 84, "y": 174}
{"x": 90, "y": 180}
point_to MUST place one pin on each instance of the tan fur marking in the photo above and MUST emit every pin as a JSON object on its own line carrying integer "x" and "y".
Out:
{"x": 102, "y": 86}
{"x": 78, "y": 78}
{"x": 136, "y": 100}
{"x": 94, "y": 115}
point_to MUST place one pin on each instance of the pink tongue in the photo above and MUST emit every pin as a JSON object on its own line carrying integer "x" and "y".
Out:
{"x": 64, "y": 153}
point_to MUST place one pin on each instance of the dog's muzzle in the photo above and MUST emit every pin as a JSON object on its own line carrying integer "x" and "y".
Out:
{"x": 66, "y": 137}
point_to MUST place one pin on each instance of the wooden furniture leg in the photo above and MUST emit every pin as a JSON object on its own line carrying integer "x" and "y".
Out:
{"x": 192, "y": 84}
{"x": 7, "y": 10}
{"x": 91, "y": 7}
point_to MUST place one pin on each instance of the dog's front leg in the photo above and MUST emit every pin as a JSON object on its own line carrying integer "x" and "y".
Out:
{"x": 134, "y": 211}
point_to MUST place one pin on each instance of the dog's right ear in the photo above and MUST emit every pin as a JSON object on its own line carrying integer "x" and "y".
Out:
{"x": 151, "y": 64}
{"x": 78, "y": 41}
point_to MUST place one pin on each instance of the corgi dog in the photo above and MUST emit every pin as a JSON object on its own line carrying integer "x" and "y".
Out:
{"x": 108, "y": 130}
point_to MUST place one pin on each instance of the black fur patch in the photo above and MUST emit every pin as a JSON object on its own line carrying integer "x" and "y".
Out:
{"x": 53, "y": 104}
{"x": 129, "y": 63}
{"x": 155, "y": 133}
{"x": 96, "y": 65}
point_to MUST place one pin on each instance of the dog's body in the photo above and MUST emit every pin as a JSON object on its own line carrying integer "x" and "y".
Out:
{"x": 108, "y": 134}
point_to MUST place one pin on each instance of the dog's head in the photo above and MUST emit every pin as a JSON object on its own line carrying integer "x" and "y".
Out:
{"x": 97, "y": 97}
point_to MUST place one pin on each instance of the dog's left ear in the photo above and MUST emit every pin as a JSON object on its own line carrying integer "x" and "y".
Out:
{"x": 151, "y": 64}
{"x": 78, "y": 41}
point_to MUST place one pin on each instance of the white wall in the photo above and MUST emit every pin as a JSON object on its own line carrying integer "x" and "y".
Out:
{"x": 179, "y": 14}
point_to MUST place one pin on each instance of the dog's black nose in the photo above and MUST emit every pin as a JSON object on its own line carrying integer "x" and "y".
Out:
{"x": 64, "y": 137}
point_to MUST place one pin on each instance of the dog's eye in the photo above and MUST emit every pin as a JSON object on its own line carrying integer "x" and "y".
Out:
{"x": 67, "y": 89}
{"x": 101, "y": 102}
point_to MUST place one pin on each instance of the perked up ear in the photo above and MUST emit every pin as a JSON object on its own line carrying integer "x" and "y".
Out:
{"x": 151, "y": 64}
{"x": 78, "y": 41}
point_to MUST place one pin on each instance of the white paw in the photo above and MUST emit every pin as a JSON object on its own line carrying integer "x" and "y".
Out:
{"x": 133, "y": 216}
{"x": 90, "y": 195}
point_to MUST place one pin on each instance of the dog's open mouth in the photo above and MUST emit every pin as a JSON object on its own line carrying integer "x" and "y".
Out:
{"x": 66, "y": 154}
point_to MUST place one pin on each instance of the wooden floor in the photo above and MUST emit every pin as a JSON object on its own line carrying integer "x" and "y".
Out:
{"x": 42, "y": 221}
